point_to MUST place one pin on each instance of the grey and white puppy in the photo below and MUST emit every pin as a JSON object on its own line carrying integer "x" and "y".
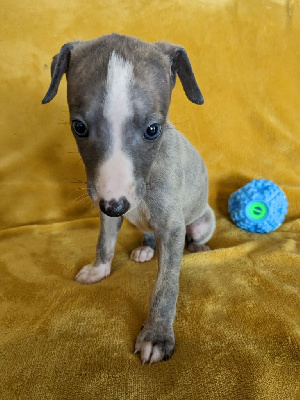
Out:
{"x": 137, "y": 164}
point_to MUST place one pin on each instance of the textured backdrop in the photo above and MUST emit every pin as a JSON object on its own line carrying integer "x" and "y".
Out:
{"x": 238, "y": 312}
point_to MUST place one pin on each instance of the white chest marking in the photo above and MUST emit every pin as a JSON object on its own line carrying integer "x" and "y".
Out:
{"x": 140, "y": 217}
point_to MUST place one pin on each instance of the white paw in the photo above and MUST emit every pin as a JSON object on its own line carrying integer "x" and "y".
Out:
{"x": 149, "y": 354}
{"x": 91, "y": 273}
{"x": 142, "y": 254}
{"x": 155, "y": 345}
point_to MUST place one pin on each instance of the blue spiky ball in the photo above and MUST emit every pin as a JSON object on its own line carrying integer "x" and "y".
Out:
{"x": 260, "y": 206}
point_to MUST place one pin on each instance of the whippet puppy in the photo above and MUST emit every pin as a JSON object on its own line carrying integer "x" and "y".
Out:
{"x": 138, "y": 165}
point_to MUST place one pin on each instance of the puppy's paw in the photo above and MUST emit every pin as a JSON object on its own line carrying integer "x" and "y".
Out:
{"x": 155, "y": 344}
{"x": 142, "y": 254}
{"x": 195, "y": 248}
{"x": 92, "y": 274}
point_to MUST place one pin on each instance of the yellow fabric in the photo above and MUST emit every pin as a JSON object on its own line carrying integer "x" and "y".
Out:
{"x": 238, "y": 312}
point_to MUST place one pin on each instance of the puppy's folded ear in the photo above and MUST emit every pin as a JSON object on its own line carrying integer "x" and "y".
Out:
{"x": 59, "y": 66}
{"x": 180, "y": 64}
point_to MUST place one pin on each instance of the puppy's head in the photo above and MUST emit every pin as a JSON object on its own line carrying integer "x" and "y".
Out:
{"x": 119, "y": 90}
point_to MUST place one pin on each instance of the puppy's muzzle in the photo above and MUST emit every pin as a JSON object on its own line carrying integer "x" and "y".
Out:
{"x": 114, "y": 208}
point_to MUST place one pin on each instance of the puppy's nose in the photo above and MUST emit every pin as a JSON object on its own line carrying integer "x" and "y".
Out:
{"x": 114, "y": 208}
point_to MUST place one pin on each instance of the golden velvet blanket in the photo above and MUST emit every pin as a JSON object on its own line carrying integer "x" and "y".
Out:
{"x": 238, "y": 312}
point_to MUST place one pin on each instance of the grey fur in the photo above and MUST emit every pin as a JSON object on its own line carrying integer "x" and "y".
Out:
{"x": 107, "y": 238}
{"x": 170, "y": 177}
{"x": 149, "y": 240}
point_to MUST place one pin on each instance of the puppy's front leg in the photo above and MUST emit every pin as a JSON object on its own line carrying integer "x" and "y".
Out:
{"x": 156, "y": 340}
{"x": 100, "y": 268}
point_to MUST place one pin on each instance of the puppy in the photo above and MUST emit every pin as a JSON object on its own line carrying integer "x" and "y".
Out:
{"x": 138, "y": 165}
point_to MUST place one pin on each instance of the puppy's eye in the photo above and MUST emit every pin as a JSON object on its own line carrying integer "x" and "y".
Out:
{"x": 80, "y": 129}
{"x": 152, "y": 132}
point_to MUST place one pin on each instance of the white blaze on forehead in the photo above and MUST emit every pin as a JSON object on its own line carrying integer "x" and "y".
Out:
{"x": 117, "y": 106}
{"x": 116, "y": 178}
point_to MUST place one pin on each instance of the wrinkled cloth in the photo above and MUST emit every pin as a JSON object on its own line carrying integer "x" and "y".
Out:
{"x": 238, "y": 313}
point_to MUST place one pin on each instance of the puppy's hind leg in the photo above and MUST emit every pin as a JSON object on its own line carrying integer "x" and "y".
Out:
{"x": 200, "y": 231}
{"x": 146, "y": 251}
